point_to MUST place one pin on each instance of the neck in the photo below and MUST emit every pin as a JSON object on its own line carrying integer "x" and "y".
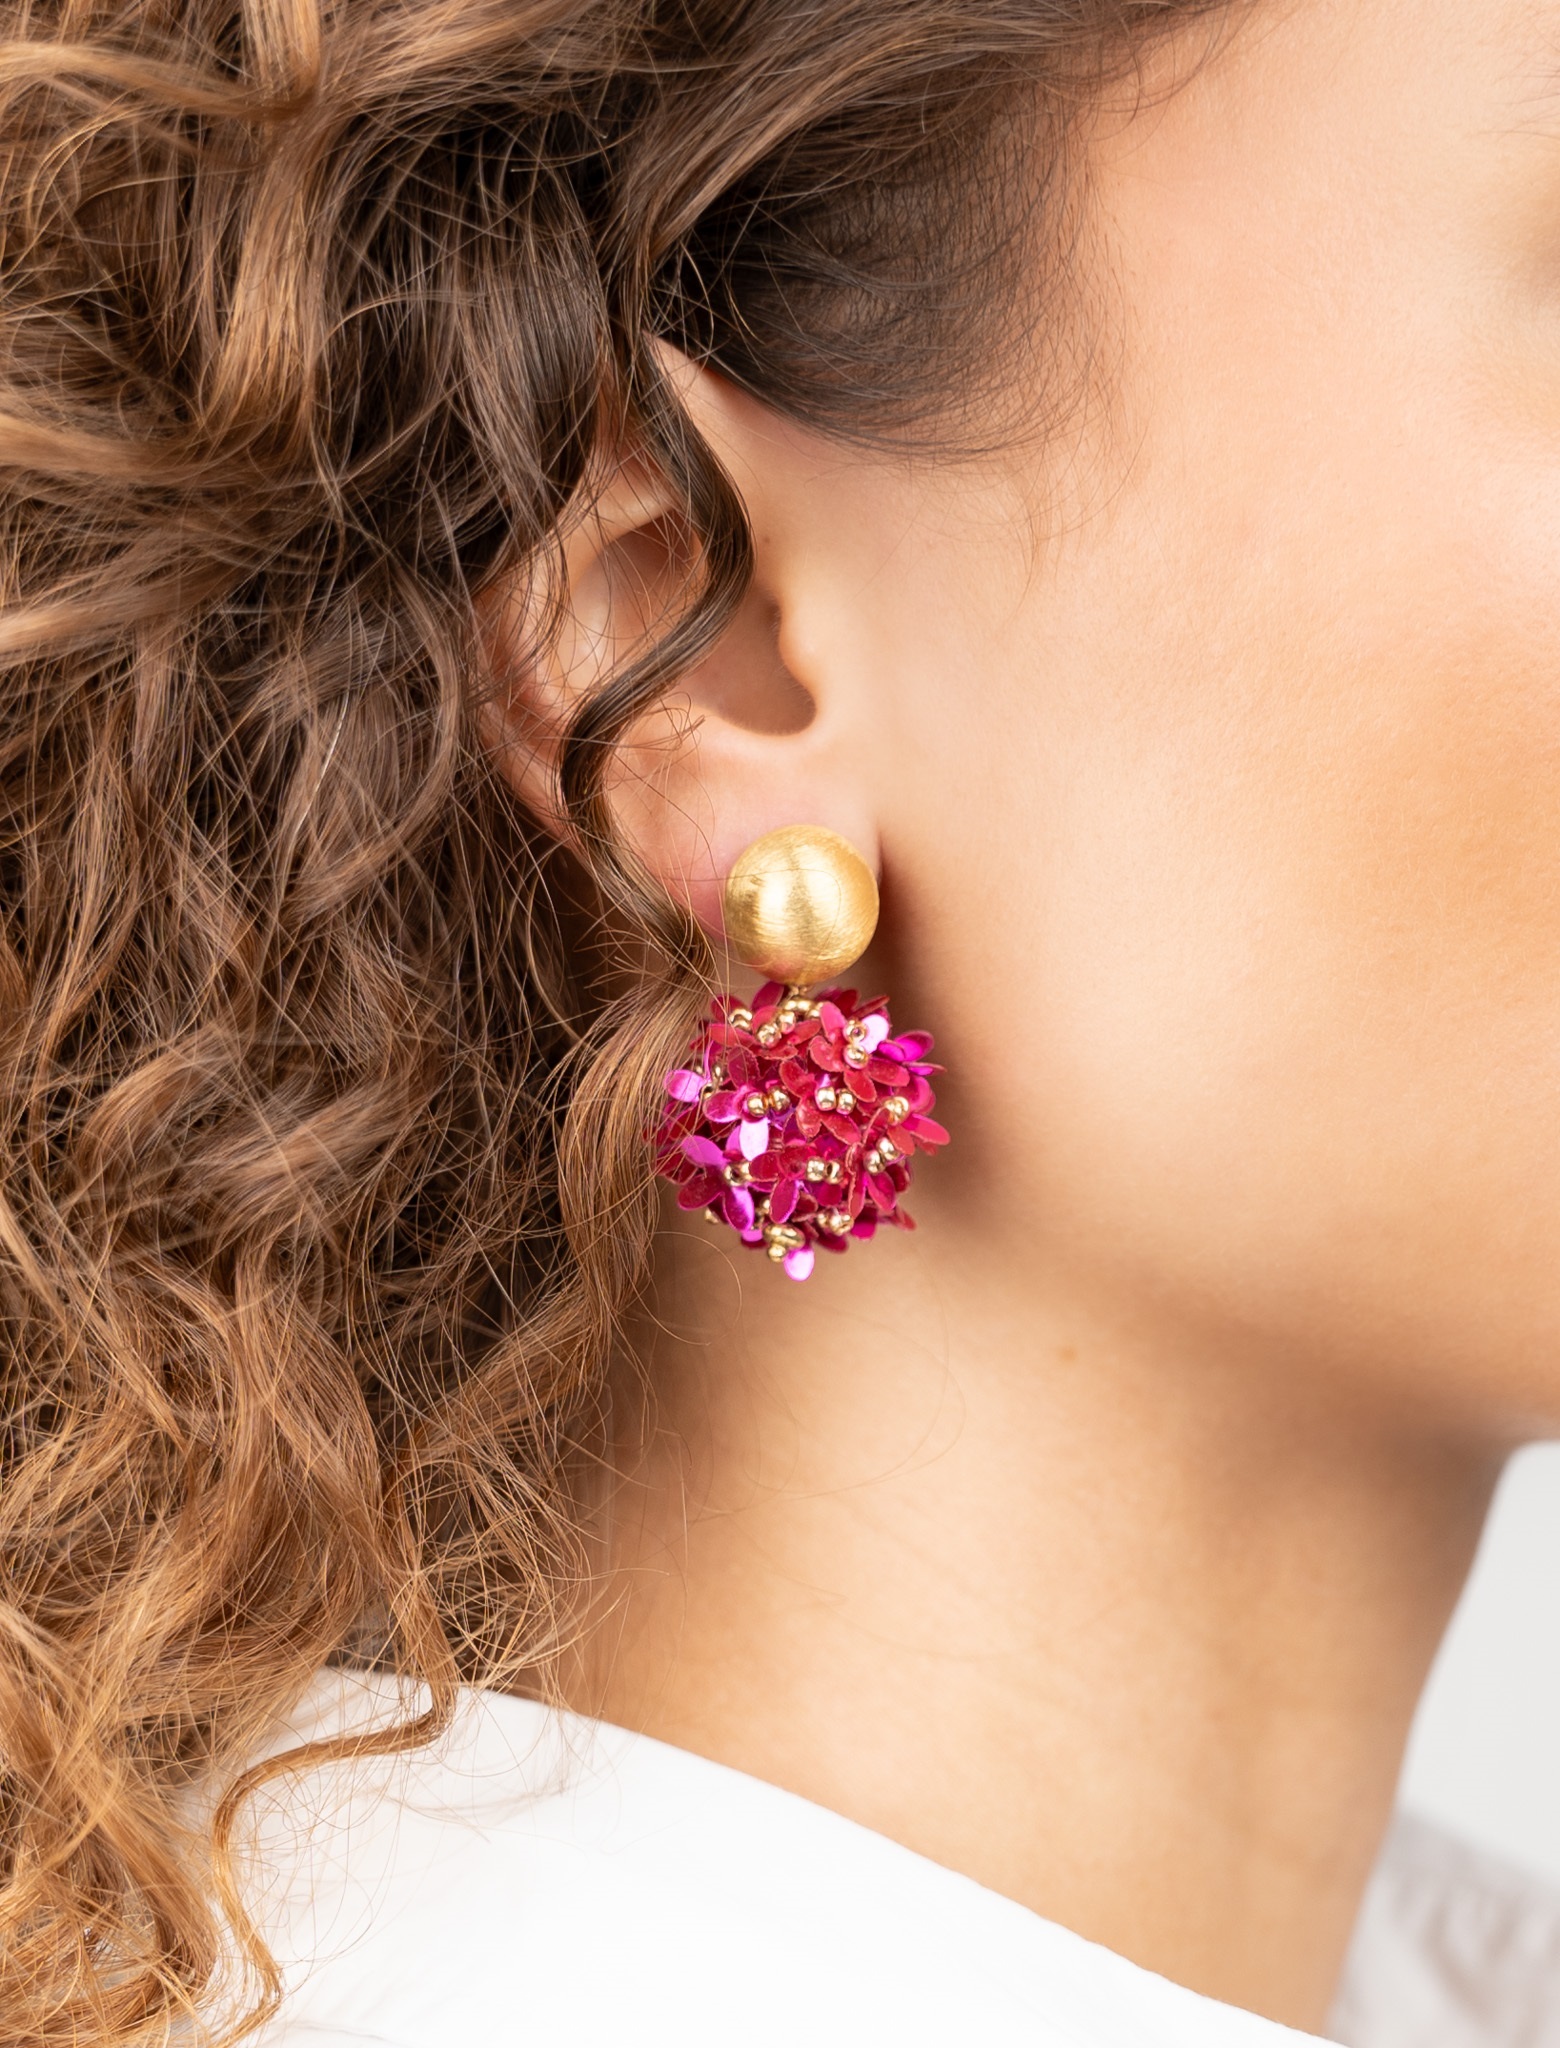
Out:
{"x": 1130, "y": 1636}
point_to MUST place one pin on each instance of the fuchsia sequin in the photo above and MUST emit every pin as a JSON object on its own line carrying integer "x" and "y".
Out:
{"x": 796, "y": 1120}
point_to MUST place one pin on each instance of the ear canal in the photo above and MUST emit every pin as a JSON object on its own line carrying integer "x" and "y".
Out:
{"x": 800, "y": 905}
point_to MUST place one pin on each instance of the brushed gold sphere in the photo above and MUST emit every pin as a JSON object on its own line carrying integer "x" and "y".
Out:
{"x": 800, "y": 905}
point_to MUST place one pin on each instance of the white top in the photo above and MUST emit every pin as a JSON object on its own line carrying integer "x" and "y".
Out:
{"x": 536, "y": 1878}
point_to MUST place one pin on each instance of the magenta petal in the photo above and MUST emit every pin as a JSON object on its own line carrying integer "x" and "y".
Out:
{"x": 799, "y": 1262}
{"x": 754, "y": 1137}
{"x": 907, "y": 1048}
{"x": 683, "y": 1086}
{"x": 864, "y": 1227}
{"x": 703, "y": 1152}
{"x": 725, "y": 1107}
{"x": 875, "y": 1030}
{"x": 925, "y": 1130}
{"x": 783, "y": 1200}
{"x": 889, "y": 1072}
{"x": 832, "y": 1017}
{"x": 737, "y": 1208}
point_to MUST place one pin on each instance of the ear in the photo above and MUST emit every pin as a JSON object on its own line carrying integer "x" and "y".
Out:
{"x": 764, "y": 732}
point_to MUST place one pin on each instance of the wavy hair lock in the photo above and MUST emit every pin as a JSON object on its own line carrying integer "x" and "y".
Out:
{"x": 321, "y": 1183}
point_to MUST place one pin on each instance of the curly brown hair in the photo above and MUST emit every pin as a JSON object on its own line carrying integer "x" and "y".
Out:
{"x": 322, "y": 1068}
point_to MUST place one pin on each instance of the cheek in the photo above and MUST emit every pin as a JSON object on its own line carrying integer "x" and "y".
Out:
{"x": 1237, "y": 876}
{"x": 1266, "y": 912}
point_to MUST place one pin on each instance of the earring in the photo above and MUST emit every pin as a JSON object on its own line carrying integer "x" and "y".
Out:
{"x": 797, "y": 1116}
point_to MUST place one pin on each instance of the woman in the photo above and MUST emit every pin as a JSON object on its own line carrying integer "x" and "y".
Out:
{"x": 472, "y": 471}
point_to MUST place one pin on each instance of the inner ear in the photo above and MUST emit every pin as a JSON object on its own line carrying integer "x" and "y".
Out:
{"x": 743, "y": 679}
{"x": 634, "y": 589}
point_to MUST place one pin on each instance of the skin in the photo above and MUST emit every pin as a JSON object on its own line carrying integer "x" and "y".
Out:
{"x": 1096, "y": 1539}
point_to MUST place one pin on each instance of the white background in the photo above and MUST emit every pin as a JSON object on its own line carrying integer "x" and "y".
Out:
{"x": 1484, "y": 1759}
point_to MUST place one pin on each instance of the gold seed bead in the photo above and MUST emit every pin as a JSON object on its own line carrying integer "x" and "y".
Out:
{"x": 836, "y": 1172}
{"x": 873, "y": 1161}
{"x": 738, "y": 1172}
{"x": 856, "y": 1055}
{"x": 826, "y": 1099}
{"x": 835, "y": 1221}
{"x": 775, "y": 1250}
{"x": 845, "y": 1102}
{"x": 887, "y": 1148}
{"x": 779, "y": 1101}
{"x": 816, "y": 1170}
{"x": 743, "y": 1019}
{"x": 896, "y": 1108}
{"x": 755, "y": 1105}
{"x": 769, "y": 1034}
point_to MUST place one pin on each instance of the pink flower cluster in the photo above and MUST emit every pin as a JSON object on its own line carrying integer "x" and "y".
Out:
{"x": 796, "y": 1121}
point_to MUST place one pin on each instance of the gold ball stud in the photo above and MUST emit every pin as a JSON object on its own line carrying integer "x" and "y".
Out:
{"x": 800, "y": 905}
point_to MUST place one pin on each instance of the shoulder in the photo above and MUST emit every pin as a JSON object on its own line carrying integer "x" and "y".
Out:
{"x": 538, "y": 1878}
{"x": 534, "y": 1877}
{"x": 1452, "y": 1946}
